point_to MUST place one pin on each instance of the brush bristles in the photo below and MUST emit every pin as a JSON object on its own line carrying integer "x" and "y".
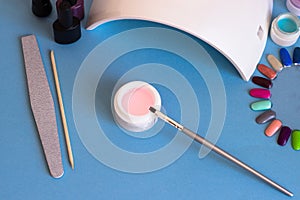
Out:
{"x": 152, "y": 109}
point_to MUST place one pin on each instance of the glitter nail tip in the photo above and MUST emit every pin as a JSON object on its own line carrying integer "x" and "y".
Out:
{"x": 267, "y": 71}
{"x": 296, "y": 56}
{"x": 265, "y": 117}
{"x": 274, "y": 62}
{"x": 285, "y": 57}
{"x": 284, "y": 135}
{"x": 260, "y": 93}
{"x": 263, "y": 82}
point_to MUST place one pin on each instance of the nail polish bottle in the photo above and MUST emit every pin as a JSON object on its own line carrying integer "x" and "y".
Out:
{"x": 66, "y": 28}
{"x": 41, "y": 8}
{"x": 77, "y": 7}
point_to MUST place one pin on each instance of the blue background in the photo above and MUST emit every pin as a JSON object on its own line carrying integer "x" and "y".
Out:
{"x": 24, "y": 173}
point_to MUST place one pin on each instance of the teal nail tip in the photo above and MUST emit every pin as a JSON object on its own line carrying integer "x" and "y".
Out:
{"x": 261, "y": 105}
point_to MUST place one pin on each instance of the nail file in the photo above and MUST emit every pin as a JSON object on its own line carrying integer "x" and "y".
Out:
{"x": 42, "y": 104}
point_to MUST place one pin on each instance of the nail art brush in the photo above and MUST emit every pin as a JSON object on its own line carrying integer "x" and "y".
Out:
{"x": 218, "y": 150}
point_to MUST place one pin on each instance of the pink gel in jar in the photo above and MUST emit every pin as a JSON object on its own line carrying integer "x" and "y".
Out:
{"x": 131, "y": 106}
{"x": 137, "y": 101}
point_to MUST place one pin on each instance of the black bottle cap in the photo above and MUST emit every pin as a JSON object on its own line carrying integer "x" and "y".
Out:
{"x": 72, "y": 2}
{"x": 65, "y": 16}
{"x": 66, "y": 28}
{"x": 41, "y": 8}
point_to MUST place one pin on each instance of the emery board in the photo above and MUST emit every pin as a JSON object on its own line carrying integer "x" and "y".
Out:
{"x": 42, "y": 105}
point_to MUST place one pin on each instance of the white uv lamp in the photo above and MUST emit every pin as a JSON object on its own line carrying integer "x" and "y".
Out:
{"x": 236, "y": 28}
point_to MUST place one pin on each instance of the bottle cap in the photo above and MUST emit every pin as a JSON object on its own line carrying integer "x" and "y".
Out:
{"x": 77, "y": 7}
{"x": 41, "y": 8}
{"x": 66, "y": 28}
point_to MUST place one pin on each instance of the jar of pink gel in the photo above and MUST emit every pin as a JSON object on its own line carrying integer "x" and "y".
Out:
{"x": 131, "y": 106}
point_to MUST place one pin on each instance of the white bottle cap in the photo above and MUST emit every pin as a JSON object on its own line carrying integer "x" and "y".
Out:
{"x": 131, "y": 106}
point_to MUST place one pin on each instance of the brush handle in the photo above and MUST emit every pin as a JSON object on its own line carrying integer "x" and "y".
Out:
{"x": 226, "y": 155}
{"x": 42, "y": 105}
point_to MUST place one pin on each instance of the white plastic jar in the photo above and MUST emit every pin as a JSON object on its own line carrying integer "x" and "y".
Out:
{"x": 285, "y": 29}
{"x": 131, "y": 106}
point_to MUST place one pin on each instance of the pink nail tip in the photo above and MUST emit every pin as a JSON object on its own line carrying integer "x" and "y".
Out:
{"x": 260, "y": 93}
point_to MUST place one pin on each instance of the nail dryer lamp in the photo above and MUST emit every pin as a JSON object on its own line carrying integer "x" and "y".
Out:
{"x": 238, "y": 29}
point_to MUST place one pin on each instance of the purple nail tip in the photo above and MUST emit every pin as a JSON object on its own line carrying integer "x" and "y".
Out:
{"x": 284, "y": 135}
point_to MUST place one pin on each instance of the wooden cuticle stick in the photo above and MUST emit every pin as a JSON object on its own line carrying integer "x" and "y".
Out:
{"x": 62, "y": 110}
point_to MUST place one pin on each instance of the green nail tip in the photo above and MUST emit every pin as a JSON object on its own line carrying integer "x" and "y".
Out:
{"x": 296, "y": 140}
{"x": 261, "y": 105}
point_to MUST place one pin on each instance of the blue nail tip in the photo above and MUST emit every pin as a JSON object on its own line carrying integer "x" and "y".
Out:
{"x": 285, "y": 57}
{"x": 296, "y": 56}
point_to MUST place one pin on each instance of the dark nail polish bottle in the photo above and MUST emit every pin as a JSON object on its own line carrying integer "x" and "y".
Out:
{"x": 66, "y": 28}
{"x": 41, "y": 8}
{"x": 77, "y": 7}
